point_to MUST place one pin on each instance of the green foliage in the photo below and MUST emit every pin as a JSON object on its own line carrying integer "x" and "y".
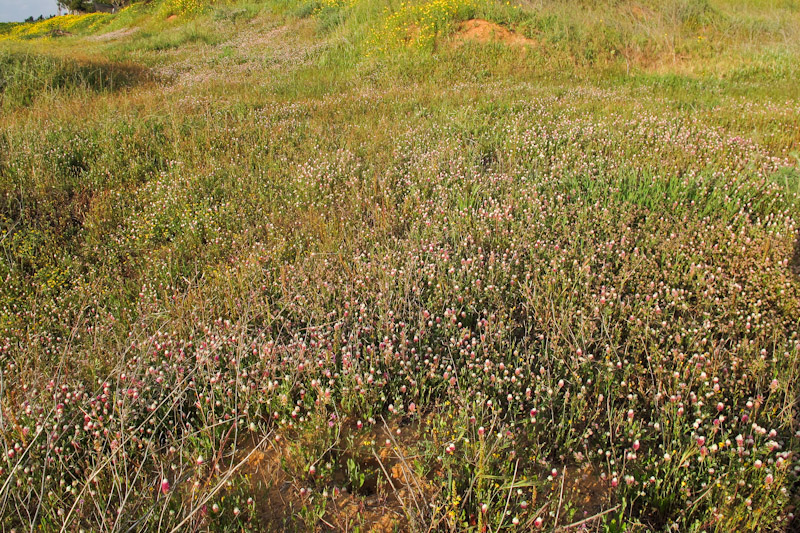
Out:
{"x": 171, "y": 39}
{"x": 355, "y": 475}
{"x": 25, "y": 76}
{"x": 258, "y": 253}
{"x": 5, "y": 27}
{"x": 83, "y": 6}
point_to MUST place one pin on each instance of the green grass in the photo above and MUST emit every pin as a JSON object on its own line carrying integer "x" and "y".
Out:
{"x": 425, "y": 270}
{"x": 28, "y": 78}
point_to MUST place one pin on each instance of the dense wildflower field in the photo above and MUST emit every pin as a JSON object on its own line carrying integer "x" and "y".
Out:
{"x": 378, "y": 266}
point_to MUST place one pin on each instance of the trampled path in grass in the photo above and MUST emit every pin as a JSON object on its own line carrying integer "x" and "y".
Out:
{"x": 446, "y": 265}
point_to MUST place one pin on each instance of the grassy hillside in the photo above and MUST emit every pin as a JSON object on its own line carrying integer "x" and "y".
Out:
{"x": 435, "y": 265}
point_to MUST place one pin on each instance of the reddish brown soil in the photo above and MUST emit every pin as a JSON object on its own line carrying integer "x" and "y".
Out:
{"x": 483, "y": 31}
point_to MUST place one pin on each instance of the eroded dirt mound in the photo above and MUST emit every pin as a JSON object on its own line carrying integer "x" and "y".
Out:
{"x": 483, "y": 31}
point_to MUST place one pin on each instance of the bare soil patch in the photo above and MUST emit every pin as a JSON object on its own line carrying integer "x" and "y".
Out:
{"x": 377, "y": 506}
{"x": 483, "y": 31}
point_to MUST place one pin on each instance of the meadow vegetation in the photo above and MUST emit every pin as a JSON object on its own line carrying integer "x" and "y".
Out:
{"x": 371, "y": 265}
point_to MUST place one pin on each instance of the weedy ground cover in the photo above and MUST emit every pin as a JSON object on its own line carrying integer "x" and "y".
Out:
{"x": 349, "y": 265}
